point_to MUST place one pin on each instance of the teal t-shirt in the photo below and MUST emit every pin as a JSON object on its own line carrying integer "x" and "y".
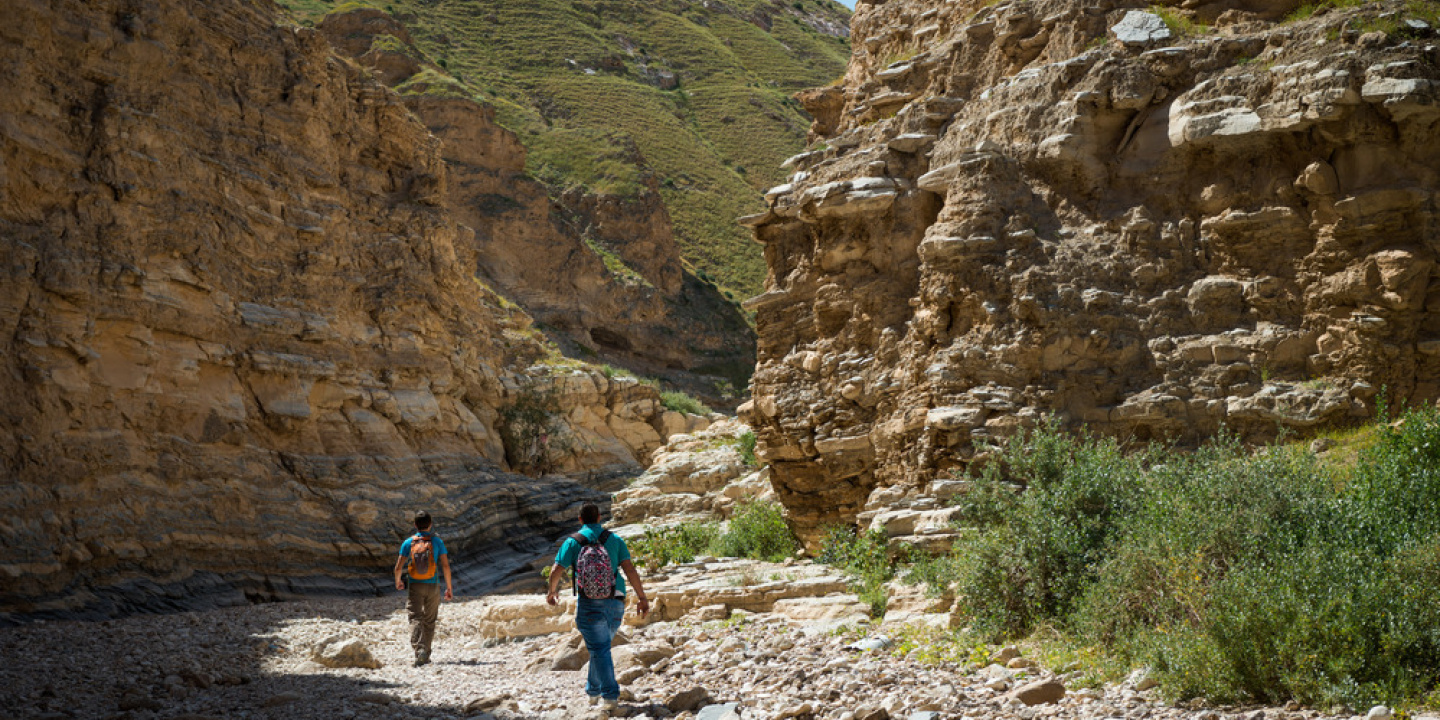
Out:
{"x": 619, "y": 553}
{"x": 439, "y": 551}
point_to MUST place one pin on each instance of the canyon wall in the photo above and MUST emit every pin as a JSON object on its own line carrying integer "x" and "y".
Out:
{"x": 602, "y": 273}
{"x": 241, "y": 338}
{"x": 1070, "y": 208}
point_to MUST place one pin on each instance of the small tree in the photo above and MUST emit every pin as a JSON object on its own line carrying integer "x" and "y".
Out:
{"x": 535, "y": 437}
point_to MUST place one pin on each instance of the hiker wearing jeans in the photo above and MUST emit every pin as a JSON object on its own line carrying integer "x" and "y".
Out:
{"x": 597, "y": 557}
{"x": 423, "y": 558}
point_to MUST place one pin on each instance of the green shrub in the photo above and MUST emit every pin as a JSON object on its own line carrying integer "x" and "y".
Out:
{"x": 747, "y": 449}
{"x": 1038, "y": 549}
{"x": 1237, "y": 576}
{"x": 680, "y": 402}
{"x": 533, "y": 431}
{"x": 865, "y": 557}
{"x": 757, "y": 530}
{"x": 675, "y": 544}
{"x": 1179, "y": 24}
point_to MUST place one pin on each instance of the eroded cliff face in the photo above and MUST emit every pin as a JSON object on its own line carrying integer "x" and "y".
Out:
{"x": 600, "y": 272}
{"x": 1048, "y": 207}
{"x": 241, "y": 335}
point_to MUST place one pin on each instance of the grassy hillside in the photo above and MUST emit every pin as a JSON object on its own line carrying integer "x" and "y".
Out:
{"x": 605, "y": 93}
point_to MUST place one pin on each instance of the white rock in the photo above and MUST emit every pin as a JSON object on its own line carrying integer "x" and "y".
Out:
{"x": 1140, "y": 28}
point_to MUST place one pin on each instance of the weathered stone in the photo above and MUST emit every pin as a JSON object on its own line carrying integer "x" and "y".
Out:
{"x": 726, "y": 711}
{"x": 1140, "y": 28}
{"x": 344, "y": 653}
{"x": 1040, "y": 692}
{"x": 688, "y": 700}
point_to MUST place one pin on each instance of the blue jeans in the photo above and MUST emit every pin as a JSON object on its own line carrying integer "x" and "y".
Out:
{"x": 598, "y": 620}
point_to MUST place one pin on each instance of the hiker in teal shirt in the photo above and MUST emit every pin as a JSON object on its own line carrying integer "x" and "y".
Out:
{"x": 599, "y": 619}
{"x": 423, "y": 602}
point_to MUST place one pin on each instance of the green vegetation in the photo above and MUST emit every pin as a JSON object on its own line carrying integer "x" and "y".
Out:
{"x": 533, "y": 431}
{"x": 865, "y": 557}
{"x": 1308, "y": 9}
{"x": 1426, "y": 10}
{"x": 747, "y": 449}
{"x": 680, "y": 402}
{"x": 616, "y": 266}
{"x": 615, "y": 96}
{"x": 1179, "y": 23}
{"x": 676, "y": 544}
{"x": 756, "y": 530}
{"x": 1236, "y": 576}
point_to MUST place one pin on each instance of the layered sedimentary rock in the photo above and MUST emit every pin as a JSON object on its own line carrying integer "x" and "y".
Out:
{"x": 1061, "y": 207}
{"x": 602, "y": 272}
{"x": 240, "y": 335}
{"x": 699, "y": 475}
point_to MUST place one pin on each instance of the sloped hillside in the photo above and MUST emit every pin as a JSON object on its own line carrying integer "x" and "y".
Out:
{"x": 686, "y": 100}
{"x": 600, "y": 273}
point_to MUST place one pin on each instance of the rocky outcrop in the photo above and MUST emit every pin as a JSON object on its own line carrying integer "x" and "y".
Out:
{"x": 590, "y": 423}
{"x": 602, "y": 273}
{"x": 1049, "y": 207}
{"x": 804, "y": 593}
{"x": 698, "y": 475}
{"x": 240, "y": 330}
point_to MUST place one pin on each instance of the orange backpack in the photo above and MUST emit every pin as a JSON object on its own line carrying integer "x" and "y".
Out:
{"x": 422, "y": 558}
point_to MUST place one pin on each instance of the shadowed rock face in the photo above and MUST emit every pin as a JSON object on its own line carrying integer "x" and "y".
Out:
{"x": 240, "y": 336}
{"x": 1153, "y": 237}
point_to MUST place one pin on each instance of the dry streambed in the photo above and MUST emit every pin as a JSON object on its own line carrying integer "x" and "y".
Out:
{"x": 730, "y": 640}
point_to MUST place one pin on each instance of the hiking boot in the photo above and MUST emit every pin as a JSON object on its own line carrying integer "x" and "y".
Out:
{"x": 610, "y": 704}
{"x": 422, "y": 660}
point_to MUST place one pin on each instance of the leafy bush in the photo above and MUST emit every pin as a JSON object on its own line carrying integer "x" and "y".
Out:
{"x": 1038, "y": 549}
{"x": 939, "y": 573}
{"x": 757, "y": 530}
{"x": 680, "y": 402}
{"x": 675, "y": 544}
{"x": 1237, "y": 576}
{"x": 747, "y": 449}
{"x": 865, "y": 557}
{"x": 533, "y": 431}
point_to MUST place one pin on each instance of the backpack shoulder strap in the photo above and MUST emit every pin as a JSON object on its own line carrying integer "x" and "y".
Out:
{"x": 580, "y": 539}
{"x": 604, "y": 535}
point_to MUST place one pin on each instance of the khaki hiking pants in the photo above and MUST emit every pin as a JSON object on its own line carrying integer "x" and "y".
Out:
{"x": 424, "y": 608}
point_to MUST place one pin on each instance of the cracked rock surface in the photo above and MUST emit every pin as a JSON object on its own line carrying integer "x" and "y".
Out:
{"x": 1021, "y": 209}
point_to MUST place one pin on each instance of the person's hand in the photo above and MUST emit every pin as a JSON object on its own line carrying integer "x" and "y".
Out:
{"x": 449, "y": 594}
{"x": 644, "y": 607}
{"x": 399, "y": 584}
{"x": 552, "y": 598}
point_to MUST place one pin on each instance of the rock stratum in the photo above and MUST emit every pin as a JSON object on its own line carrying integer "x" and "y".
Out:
{"x": 242, "y": 335}
{"x": 1070, "y": 208}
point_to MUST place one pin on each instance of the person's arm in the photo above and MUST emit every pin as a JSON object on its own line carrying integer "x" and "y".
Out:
{"x": 634, "y": 578}
{"x": 445, "y": 567}
{"x": 552, "y": 595}
{"x": 557, "y": 570}
{"x": 399, "y": 568}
